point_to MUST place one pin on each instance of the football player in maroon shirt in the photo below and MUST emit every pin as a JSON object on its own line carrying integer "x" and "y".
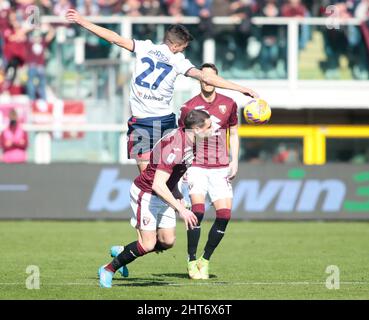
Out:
{"x": 211, "y": 171}
{"x": 152, "y": 201}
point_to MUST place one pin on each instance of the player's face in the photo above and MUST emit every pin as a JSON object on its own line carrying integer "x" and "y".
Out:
{"x": 206, "y": 130}
{"x": 180, "y": 47}
{"x": 206, "y": 88}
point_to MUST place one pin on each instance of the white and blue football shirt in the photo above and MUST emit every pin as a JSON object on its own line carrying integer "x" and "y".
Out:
{"x": 153, "y": 78}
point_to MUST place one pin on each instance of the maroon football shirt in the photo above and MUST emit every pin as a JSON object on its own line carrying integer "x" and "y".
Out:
{"x": 212, "y": 152}
{"x": 172, "y": 154}
{"x": 36, "y": 52}
{"x": 4, "y": 24}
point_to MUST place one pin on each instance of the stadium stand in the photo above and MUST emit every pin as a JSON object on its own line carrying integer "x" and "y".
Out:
{"x": 309, "y": 59}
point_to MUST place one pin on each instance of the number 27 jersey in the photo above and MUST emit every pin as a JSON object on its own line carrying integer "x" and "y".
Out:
{"x": 153, "y": 78}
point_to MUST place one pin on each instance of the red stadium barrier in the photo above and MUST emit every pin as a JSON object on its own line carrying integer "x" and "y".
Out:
{"x": 61, "y": 113}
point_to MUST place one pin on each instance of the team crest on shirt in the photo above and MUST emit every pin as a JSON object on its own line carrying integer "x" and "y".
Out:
{"x": 223, "y": 108}
{"x": 146, "y": 220}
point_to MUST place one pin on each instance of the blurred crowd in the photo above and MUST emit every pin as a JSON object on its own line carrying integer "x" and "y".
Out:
{"x": 23, "y": 46}
{"x": 244, "y": 50}
{"x": 286, "y": 8}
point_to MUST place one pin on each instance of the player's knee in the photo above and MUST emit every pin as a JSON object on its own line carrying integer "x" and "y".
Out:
{"x": 224, "y": 214}
{"x": 148, "y": 244}
{"x": 222, "y": 218}
{"x": 199, "y": 209}
{"x": 167, "y": 242}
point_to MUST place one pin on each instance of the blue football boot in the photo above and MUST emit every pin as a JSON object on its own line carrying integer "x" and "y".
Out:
{"x": 105, "y": 277}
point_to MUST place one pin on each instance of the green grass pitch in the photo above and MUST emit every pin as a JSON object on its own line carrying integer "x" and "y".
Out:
{"x": 256, "y": 260}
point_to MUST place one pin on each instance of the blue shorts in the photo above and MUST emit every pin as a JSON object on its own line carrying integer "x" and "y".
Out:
{"x": 144, "y": 133}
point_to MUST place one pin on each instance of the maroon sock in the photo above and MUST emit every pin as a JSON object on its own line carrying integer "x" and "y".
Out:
{"x": 110, "y": 267}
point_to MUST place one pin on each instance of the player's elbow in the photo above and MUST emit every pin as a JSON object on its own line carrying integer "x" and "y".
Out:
{"x": 199, "y": 75}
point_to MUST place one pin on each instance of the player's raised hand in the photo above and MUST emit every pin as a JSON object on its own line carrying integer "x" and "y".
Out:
{"x": 73, "y": 16}
{"x": 250, "y": 93}
{"x": 189, "y": 218}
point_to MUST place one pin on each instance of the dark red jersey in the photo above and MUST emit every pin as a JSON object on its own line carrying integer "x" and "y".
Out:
{"x": 4, "y": 23}
{"x": 36, "y": 52}
{"x": 14, "y": 49}
{"x": 172, "y": 154}
{"x": 212, "y": 152}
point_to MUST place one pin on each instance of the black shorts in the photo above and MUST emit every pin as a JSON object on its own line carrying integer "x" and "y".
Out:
{"x": 144, "y": 133}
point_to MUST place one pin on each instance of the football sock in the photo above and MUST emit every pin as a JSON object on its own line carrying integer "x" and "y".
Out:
{"x": 217, "y": 232}
{"x": 129, "y": 254}
{"x": 193, "y": 236}
{"x": 159, "y": 247}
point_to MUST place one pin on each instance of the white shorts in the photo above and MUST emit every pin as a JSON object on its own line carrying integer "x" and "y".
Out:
{"x": 214, "y": 182}
{"x": 150, "y": 212}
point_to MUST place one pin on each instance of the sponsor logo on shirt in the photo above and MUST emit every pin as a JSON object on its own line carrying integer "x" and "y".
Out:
{"x": 148, "y": 97}
{"x": 215, "y": 124}
{"x": 188, "y": 158}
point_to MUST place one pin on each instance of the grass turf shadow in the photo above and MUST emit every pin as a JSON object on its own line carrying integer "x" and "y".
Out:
{"x": 137, "y": 282}
{"x": 179, "y": 275}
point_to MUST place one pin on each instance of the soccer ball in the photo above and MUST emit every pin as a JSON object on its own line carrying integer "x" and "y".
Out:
{"x": 257, "y": 111}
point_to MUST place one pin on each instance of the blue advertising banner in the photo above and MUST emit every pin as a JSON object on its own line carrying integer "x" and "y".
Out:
{"x": 261, "y": 192}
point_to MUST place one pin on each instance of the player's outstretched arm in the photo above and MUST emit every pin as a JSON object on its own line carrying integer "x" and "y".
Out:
{"x": 110, "y": 36}
{"x": 161, "y": 189}
{"x": 219, "y": 82}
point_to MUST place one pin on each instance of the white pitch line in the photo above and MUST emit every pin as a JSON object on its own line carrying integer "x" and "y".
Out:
{"x": 266, "y": 283}
{"x": 276, "y": 283}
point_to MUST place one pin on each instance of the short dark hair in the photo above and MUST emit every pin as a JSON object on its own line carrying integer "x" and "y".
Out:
{"x": 195, "y": 118}
{"x": 177, "y": 33}
{"x": 209, "y": 65}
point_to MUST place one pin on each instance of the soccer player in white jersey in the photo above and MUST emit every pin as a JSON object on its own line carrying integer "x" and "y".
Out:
{"x": 152, "y": 85}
